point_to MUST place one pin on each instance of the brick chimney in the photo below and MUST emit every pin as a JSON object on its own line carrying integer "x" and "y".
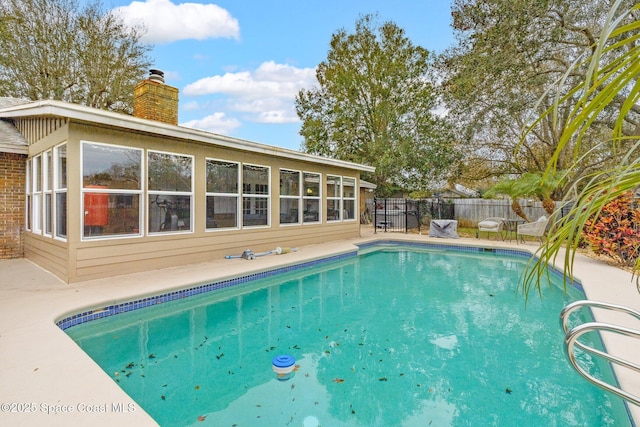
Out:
{"x": 154, "y": 100}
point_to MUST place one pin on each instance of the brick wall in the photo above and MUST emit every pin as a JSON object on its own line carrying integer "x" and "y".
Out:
{"x": 12, "y": 204}
{"x": 156, "y": 101}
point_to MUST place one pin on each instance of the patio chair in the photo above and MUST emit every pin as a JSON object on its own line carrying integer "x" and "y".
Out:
{"x": 535, "y": 229}
{"x": 491, "y": 225}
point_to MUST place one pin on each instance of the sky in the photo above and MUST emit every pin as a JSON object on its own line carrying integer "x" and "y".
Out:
{"x": 239, "y": 64}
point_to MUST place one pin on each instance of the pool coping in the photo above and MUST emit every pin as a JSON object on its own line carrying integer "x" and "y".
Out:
{"x": 45, "y": 368}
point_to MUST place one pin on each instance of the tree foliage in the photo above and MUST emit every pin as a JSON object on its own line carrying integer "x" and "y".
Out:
{"x": 612, "y": 71}
{"x": 374, "y": 105}
{"x": 502, "y": 74}
{"x": 53, "y": 49}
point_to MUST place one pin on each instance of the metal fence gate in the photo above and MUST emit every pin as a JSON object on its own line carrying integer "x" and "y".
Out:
{"x": 402, "y": 215}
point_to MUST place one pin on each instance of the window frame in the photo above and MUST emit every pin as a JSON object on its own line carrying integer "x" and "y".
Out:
{"x": 297, "y": 197}
{"x": 149, "y": 193}
{"x": 305, "y": 197}
{"x": 36, "y": 194}
{"x": 59, "y": 189}
{"x": 250, "y": 196}
{"x": 237, "y": 194}
{"x": 354, "y": 199}
{"x": 334, "y": 198}
{"x": 109, "y": 191}
{"x": 47, "y": 193}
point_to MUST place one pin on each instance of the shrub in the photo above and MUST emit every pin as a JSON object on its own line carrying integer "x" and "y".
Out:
{"x": 615, "y": 232}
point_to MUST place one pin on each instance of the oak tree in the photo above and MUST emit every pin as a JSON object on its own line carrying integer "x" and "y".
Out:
{"x": 374, "y": 104}
{"x": 54, "y": 49}
{"x": 503, "y": 72}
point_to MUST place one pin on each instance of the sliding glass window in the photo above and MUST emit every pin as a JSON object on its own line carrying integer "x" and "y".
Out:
{"x": 334, "y": 198}
{"x": 290, "y": 196}
{"x": 36, "y": 194}
{"x": 255, "y": 195}
{"x": 223, "y": 196}
{"x": 111, "y": 190}
{"x": 170, "y": 190}
{"x": 60, "y": 191}
{"x": 47, "y": 192}
{"x": 348, "y": 198}
{"x": 311, "y": 197}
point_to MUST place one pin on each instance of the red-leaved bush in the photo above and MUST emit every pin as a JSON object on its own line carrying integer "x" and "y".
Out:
{"x": 615, "y": 232}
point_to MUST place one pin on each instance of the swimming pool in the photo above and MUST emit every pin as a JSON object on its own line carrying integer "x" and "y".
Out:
{"x": 394, "y": 336}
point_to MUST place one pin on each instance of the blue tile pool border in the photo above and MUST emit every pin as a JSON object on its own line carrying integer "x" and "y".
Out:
{"x": 114, "y": 309}
{"x": 111, "y": 310}
{"x": 473, "y": 249}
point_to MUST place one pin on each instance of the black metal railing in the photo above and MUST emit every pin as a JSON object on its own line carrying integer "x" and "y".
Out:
{"x": 402, "y": 215}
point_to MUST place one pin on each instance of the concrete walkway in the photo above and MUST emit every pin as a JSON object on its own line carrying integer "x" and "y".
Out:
{"x": 46, "y": 379}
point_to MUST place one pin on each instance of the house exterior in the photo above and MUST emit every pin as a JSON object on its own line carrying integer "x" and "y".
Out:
{"x": 97, "y": 194}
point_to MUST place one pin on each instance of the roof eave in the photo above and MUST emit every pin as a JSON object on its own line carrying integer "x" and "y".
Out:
{"x": 109, "y": 118}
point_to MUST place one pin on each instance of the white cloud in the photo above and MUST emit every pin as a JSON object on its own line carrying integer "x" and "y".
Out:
{"x": 166, "y": 21}
{"x": 267, "y": 93}
{"x": 216, "y": 123}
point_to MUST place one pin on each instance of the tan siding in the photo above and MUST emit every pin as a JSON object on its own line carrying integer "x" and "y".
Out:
{"x": 134, "y": 255}
{"x": 50, "y": 254}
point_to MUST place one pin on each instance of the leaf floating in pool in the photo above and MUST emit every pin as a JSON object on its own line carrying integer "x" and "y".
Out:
{"x": 197, "y": 387}
{"x": 508, "y": 390}
{"x": 219, "y": 356}
{"x": 338, "y": 380}
{"x": 152, "y": 356}
{"x": 293, "y": 386}
{"x": 163, "y": 397}
{"x": 164, "y": 385}
{"x": 327, "y": 352}
{"x": 130, "y": 365}
{"x": 128, "y": 374}
{"x": 491, "y": 295}
{"x": 382, "y": 379}
{"x": 295, "y": 368}
{"x": 202, "y": 417}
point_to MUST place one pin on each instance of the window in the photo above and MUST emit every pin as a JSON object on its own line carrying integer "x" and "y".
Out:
{"x": 60, "y": 190}
{"x": 348, "y": 198}
{"x": 334, "y": 198}
{"x": 47, "y": 186}
{"x": 255, "y": 195}
{"x": 29, "y": 195}
{"x": 170, "y": 192}
{"x": 36, "y": 191}
{"x": 111, "y": 190}
{"x": 311, "y": 197}
{"x": 289, "y": 197}
{"x": 222, "y": 194}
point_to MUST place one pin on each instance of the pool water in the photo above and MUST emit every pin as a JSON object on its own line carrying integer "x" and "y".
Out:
{"x": 393, "y": 337}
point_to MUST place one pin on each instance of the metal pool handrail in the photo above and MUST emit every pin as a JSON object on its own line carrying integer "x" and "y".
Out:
{"x": 572, "y": 336}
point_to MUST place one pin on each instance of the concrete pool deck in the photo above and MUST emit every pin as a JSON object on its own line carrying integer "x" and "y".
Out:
{"x": 46, "y": 379}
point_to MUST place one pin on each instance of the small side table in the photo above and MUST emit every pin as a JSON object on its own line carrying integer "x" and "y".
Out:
{"x": 511, "y": 229}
